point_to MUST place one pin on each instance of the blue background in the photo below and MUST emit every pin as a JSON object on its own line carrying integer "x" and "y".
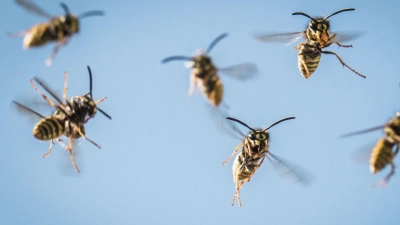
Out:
{"x": 161, "y": 155}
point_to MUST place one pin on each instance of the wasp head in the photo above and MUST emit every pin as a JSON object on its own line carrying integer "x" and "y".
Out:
{"x": 70, "y": 23}
{"x": 318, "y": 29}
{"x": 258, "y": 140}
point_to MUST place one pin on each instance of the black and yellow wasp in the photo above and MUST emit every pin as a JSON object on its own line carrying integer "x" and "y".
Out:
{"x": 385, "y": 149}
{"x": 58, "y": 29}
{"x": 68, "y": 119}
{"x": 255, "y": 148}
{"x": 204, "y": 74}
{"x": 318, "y": 36}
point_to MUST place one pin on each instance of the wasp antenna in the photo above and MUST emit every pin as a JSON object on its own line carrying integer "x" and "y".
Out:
{"x": 65, "y": 7}
{"x": 342, "y": 10}
{"x": 303, "y": 14}
{"x": 90, "y": 82}
{"x": 104, "y": 113}
{"x": 215, "y": 41}
{"x": 281, "y": 120}
{"x": 236, "y": 120}
{"x": 172, "y": 58}
{"x": 91, "y": 13}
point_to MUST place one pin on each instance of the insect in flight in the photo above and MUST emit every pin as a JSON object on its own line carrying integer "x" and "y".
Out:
{"x": 58, "y": 29}
{"x": 382, "y": 154}
{"x": 68, "y": 119}
{"x": 204, "y": 74}
{"x": 254, "y": 151}
{"x": 317, "y": 37}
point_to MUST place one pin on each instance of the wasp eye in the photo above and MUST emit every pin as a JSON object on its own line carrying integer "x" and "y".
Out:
{"x": 252, "y": 137}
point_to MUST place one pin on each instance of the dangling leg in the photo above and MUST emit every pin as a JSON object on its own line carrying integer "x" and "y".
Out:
{"x": 70, "y": 140}
{"x": 344, "y": 64}
{"x": 234, "y": 152}
{"x": 48, "y": 152}
{"x": 55, "y": 50}
{"x": 192, "y": 83}
{"x": 65, "y": 86}
{"x": 87, "y": 139}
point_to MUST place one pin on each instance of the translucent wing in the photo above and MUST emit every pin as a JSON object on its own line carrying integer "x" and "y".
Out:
{"x": 242, "y": 71}
{"x": 219, "y": 117}
{"x": 24, "y": 109}
{"x": 33, "y": 8}
{"x": 287, "y": 38}
{"x": 363, "y": 131}
{"x": 347, "y": 35}
{"x": 289, "y": 169}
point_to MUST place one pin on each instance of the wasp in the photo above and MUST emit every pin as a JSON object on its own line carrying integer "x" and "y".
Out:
{"x": 383, "y": 154}
{"x": 57, "y": 29}
{"x": 204, "y": 74}
{"x": 317, "y": 36}
{"x": 254, "y": 151}
{"x": 68, "y": 119}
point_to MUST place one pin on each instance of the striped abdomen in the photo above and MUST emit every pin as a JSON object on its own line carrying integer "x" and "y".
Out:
{"x": 214, "y": 90}
{"x": 244, "y": 167}
{"x": 48, "y": 128}
{"x": 308, "y": 63}
{"x": 381, "y": 155}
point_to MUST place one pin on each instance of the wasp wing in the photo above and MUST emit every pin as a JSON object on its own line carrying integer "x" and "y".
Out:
{"x": 242, "y": 71}
{"x": 287, "y": 38}
{"x": 33, "y": 8}
{"x": 289, "y": 169}
{"x": 362, "y": 131}
{"x": 24, "y": 109}
{"x": 347, "y": 35}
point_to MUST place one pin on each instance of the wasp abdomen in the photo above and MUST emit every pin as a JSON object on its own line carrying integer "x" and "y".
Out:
{"x": 308, "y": 63}
{"x": 214, "y": 90}
{"x": 381, "y": 155}
{"x": 48, "y": 128}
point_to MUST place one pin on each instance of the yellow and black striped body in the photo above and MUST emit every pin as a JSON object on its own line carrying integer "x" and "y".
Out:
{"x": 204, "y": 74}
{"x": 381, "y": 155}
{"x": 49, "y": 128}
{"x": 57, "y": 29}
{"x": 308, "y": 57}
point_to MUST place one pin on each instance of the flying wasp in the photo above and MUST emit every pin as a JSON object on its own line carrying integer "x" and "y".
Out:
{"x": 382, "y": 154}
{"x": 204, "y": 74}
{"x": 68, "y": 119}
{"x": 58, "y": 29}
{"x": 317, "y": 36}
{"x": 254, "y": 151}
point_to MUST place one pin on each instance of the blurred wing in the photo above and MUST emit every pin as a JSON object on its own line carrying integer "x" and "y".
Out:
{"x": 291, "y": 170}
{"x": 287, "y": 38}
{"x": 347, "y": 35}
{"x": 33, "y": 8}
{"x": 363, "y": 154}
{"x": 362, "y": 131}
{"x": 242, "y": 71}
{"x": 219, "y": 117}
{"x": 24, "y": 109}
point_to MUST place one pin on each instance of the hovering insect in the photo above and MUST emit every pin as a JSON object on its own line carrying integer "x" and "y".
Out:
{"x": 58, "y": 29}
{"x": 68, "y": 119}
{"x": 382, "y": 154}
{"x": 317, "y": 36}
{"x": 254, "y": 151}
{"x": 204, "y": 74}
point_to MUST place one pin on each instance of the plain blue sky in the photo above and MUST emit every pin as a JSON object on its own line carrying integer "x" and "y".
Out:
{"x": 161, "y": 155}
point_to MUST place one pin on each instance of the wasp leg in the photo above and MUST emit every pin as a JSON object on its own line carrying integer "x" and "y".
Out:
{"x": 48, "y": 152}
{"x": 299, "y": 46}
{"x": 192, "y": 83}
{"x": 87, "y": 139}
{"x": 55, "y": 50}
{"x": 65, "y": 86}
{"x": 344, "y": 46}
{"x": 100, "y": 101}
{"x": 70, "y": 140}
{"x": 344, "y": 64}
{"x": 62, "y": 144}
{"x": 43, "y": 95}
{"x": 234, "y": 152}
